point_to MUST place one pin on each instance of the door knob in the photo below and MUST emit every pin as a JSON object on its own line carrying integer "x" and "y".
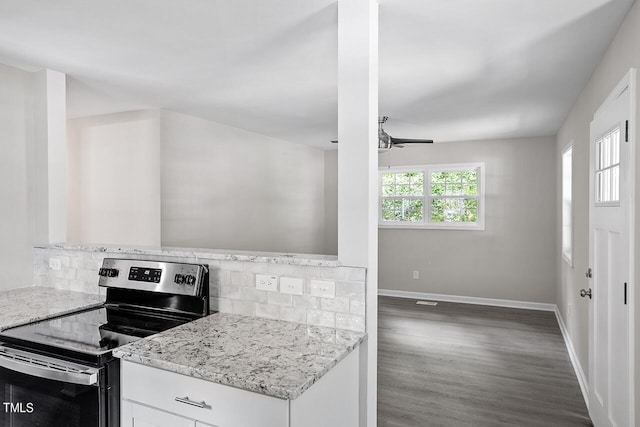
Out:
{"x": 584, "y": 293}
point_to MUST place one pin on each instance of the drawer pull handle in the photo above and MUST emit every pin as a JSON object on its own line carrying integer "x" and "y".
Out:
{"x": 188, "y": 401}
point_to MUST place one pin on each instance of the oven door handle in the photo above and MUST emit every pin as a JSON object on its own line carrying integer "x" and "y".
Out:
{"x": 48, "y": 368}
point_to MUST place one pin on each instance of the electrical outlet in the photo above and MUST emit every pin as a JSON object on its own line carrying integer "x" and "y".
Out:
{"x": 291, "y": 285}
{"x": 416, "y": 274}
{"x": 267, "y": 283}
{"x": 55, "y": 264}
{"x": 323, "y": 288}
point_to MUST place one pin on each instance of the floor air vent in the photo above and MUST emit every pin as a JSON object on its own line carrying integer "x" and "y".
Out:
{"x": 426, "y": 303}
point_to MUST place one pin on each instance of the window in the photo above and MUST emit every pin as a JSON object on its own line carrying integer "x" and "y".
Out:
{"x": 433, "y": 196}
{"x": 608, "y": 168}
{"x": 567, "y": 197}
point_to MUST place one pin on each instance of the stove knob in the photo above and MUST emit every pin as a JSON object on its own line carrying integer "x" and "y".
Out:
{"x": 190, "y": 280}
{"x": 179, "y": 279}
{"x": 112, "y": 272}
{"x": 102, "y": 272}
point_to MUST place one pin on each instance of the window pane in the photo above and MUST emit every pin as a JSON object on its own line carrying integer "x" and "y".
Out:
{"x": 453, "y": 176}
{"x": 615, "y": 183}
{"x": 437, "y": 210}
{"x": 387, "y": 190}
{"x": 437, "y": 177}
{"x": 414, "y": 210}
{"x": 470, "y": 212}
{"x": 417, "y": 190}
{"x": 437, "y": 189}
{"x": 470, "y": 177}
{"x": 387, "y": 179}
{"x": 470, "y": 190}
{"x": 403, "y": 178}
{"x": 403, "y": 190}
{"x": 454, "y": 189}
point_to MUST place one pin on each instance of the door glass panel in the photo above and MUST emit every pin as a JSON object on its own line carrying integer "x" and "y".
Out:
{"x": 607, "y": 178}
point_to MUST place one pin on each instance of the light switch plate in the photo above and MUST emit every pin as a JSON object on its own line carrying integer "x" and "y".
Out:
{"x": 267, "y": 283}
{"x": 291, "y": 285}
{"x": 55, "y": 264}
{"x": 323, "y": 288}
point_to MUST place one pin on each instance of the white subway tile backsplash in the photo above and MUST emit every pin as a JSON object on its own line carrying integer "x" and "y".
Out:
{"x": 245, "y": 308}
{"x": 230, "y": 291}
{"x": 253, "y": 294}
{"x": 351, "y": 322}
{"x": 293, "y": 314}
{"x": 351, "y": 274}
{"x": 306, "y": 301}
{"x": 335, "y": 304}
{"x": 268, "y": 311}
{"x": 353, "y": 290}
{"x": 321, "y": 318}
{"x": 331, "y": 296}
{"x": 243, "y": 278}
{"x": 357, "y": 307}
{"x": 279, "y": 299}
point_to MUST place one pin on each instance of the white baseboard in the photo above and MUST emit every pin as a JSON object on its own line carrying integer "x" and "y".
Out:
{"x": 469, "y": 300}
{"x": 577, "y": 367}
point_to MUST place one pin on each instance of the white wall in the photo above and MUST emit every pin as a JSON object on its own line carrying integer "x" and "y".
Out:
{"x": 331, "y": 202}
{"x": 514, "y": 258}
{"x": 114, "y": 179}
{"x": 224, "y": 187}
{"x": 623, "y": 53}
{"x": 16, "y": 119}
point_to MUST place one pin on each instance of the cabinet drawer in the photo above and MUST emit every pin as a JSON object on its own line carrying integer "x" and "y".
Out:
{"x": 225, "y": 406}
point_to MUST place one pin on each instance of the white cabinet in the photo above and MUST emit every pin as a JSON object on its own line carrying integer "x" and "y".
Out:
{"x": 135, "y": 414}
{"x": 156, "y": 398}
{"x": 219, "y": 405}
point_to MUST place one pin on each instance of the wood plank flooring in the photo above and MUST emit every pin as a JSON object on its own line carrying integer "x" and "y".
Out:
{"x": 470, "y": 365}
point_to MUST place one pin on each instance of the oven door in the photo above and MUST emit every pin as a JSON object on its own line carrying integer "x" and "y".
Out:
{"x": 41, "y": 391}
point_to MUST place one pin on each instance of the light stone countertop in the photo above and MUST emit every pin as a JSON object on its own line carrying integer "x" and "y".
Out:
{"x": 202, "y": 254}
{"x": 24, "y": 305}
{"x": 272, "y": 357}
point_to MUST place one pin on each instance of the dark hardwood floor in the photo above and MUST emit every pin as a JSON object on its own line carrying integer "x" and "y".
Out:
{"x": 471, "y": 365}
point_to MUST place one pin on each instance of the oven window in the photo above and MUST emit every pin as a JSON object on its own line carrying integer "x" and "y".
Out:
{"x": 29, "y": 401}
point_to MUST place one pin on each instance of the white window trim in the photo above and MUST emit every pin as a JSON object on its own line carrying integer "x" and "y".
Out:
{"x": 566, "y": 255}
{"x": 427, "y": 170}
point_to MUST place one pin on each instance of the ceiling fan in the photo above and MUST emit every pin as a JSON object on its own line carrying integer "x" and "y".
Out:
{"x": 386, "y": 141}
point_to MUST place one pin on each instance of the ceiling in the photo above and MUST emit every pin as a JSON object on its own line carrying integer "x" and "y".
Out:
{"x": 449, "y": 70}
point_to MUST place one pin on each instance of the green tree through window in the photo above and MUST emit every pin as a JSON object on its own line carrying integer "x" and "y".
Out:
{"x": 432, "y": 196}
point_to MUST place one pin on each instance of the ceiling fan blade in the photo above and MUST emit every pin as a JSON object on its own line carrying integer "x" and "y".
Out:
{"x": 395, "y": 141}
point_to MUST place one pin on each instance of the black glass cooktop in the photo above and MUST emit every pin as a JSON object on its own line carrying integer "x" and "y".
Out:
{"x": 95, "y": 331}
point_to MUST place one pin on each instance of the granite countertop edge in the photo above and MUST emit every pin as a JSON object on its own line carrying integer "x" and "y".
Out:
{"x": 219, "y": 378}
{"x": 313, "y": 260}
{"x": 151, "y": 352}
{"x": 35, "y": 303}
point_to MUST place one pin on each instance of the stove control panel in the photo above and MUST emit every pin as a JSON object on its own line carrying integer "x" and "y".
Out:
{"x": 139, "y": 274}
{"x": 166, "y": 277}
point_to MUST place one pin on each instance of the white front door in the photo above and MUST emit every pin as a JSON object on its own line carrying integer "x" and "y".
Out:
{"x": 611, "y": 203}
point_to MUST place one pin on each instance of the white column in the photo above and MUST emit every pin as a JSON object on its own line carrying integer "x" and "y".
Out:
{"x": 357, "y": 169}
{"x": 48, "y": 159}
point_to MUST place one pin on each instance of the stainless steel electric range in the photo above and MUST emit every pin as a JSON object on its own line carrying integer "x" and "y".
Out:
{"x": 60, "y": 371}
